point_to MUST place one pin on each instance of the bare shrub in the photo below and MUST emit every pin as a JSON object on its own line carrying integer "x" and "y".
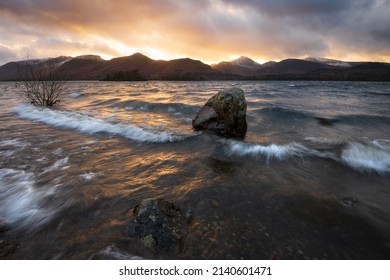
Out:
{"x": 40, "y": 83}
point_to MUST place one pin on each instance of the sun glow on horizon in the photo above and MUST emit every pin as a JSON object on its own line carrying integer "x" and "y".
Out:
{"x": 159, "y": 54}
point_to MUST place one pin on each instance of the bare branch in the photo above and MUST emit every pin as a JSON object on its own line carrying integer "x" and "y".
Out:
{"x": 40, "y": 82}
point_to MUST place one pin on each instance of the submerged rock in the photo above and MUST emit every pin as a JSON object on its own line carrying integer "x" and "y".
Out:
{"x": 325, "y": 121}
{"x": 159, "y": 225}
{"x": 224, "y": 114}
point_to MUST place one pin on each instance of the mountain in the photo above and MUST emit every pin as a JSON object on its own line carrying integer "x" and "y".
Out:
{"x": 12, "y": 70}
{"x": 243, "y": 66}
{"x": 291, "y": 66}
{"x": 306, "y": 69}
{"x": 331, "y": 62}
{"x": 85, "y": 67}
{"x": 246, "y": 62}
{"x": 141, "y": 67}
{"x": 95, "y": 68}
{"x": 248, "y": 68}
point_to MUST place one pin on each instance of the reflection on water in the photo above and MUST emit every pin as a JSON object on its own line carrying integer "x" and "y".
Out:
{"x": 294, "y": 189}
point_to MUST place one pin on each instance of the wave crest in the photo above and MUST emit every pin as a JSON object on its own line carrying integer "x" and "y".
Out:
{"x": 370, "y": 157}
{"x": 271, "y": 151}
{"x": 91, "y": 125}
{"x": 21, "y": 203}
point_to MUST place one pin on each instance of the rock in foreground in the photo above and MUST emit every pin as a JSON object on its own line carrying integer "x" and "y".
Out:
{"x": 224, "y": 114}
{"x": 159, "y": 225}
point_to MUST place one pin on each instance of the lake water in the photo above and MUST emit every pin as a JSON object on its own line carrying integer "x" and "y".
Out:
{"x": 311, "y": 180}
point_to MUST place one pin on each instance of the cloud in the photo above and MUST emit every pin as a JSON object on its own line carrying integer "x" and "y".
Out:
{"x": 7, "y": 54}
{"x": 207, "y": 30}
{"x": 293, "y": 8}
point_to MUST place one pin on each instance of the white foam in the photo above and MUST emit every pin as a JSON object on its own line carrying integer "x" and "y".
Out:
{"x": 373, "y": 156}
{"x": 42, "y": 159}
{"x": 112, "y": 252}
{"x": 60, "y": 164}
{"x": 7, "y": 153}
{"x": 91, "y": 125}
{"x": 88, "y": 176}
{"x": 279, "y": 152}
{"x": 57, "y": 152}
{"x": 75, "y": 95}
{"x": 21, "y": 203}
{"x": 14, "y": 143}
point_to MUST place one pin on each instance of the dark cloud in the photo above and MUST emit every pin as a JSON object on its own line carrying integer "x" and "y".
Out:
{"x": 302, "y": 7}
{"x": 208, "y": 30}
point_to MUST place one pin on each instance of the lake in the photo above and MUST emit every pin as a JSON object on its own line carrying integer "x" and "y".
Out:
{"x": 311, "y": 179}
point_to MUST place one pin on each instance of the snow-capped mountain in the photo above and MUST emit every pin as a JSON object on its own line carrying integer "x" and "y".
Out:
{"x": 327, "y": 61}
{"x": 245, "y": 62}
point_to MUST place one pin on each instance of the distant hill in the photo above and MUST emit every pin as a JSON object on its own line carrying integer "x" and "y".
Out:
{"x": 141, "y": 67}
{"x": 291, "y": 66}
{"x": 331, "y": 62}
{"x": 308, "y": 69}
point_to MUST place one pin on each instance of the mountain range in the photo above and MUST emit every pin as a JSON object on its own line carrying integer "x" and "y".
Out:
{"x": 141, "y": 67}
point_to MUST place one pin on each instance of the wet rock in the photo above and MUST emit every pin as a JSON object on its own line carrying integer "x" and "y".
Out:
{"x": 224, "y": 114}
{"x": 7, "y": 248}
{"x": 159, "y": 225}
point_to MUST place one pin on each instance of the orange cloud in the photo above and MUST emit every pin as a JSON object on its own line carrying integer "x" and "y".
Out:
{"x": 207, "y": 30}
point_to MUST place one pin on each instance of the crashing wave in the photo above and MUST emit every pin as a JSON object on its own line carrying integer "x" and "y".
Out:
{"x": 91, "y": 125}
{"x": 370, "y": 157}
{"x": 21, "y": 203}
{"x": 271, "y": 151}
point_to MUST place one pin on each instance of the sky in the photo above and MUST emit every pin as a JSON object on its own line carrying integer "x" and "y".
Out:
{"x": 207, "y": 30}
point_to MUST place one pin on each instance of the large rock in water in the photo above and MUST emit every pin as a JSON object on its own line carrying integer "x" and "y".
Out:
{"x": 224, "y": 114}
{"x": 159, "y": 225}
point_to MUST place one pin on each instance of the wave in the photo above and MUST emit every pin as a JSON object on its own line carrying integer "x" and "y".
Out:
{"x": 75, "y": 95}
{"x": 60, "y": 164}
{"x": 89, "y": 176}
{"x": 287, "y": 114}
{"x": 363, "y": 119}
{"x": 91, "y": 125}
{"x": 21, "y": 203}
{"x": 272, "y": 151}
{"x": 371, "y": 157}
{"x": 14, "y": 143}
{"x": 156, "y": 107}
{"x": 284, "y": 113}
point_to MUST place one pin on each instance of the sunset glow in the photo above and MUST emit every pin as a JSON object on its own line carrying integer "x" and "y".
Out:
{"x": 211, "y": 31}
